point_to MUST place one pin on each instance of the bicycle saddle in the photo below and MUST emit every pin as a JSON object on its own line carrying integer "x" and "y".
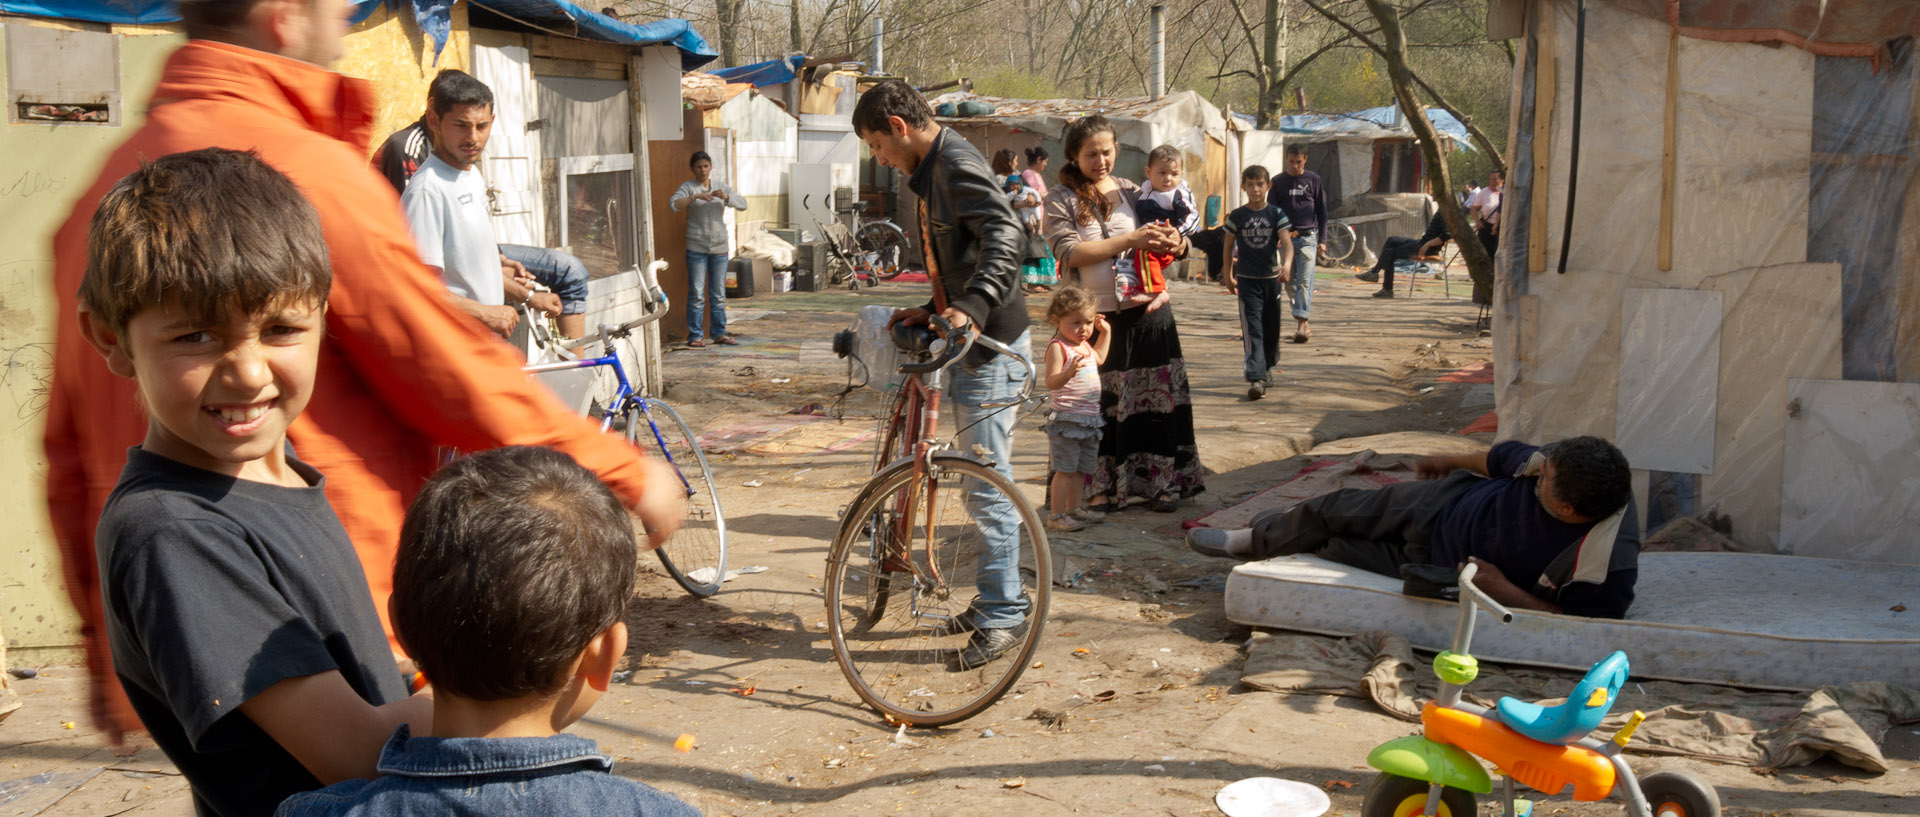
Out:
{"x": 1580, "y": 714}
{"x": 912, "y": 339}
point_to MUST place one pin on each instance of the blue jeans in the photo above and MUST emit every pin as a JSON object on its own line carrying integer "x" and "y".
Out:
{"x": 556, "y": 270}
{"x": 1300, "y": 289}
{"x": 1001, "y": 603}
{"x": 706, "y": 275}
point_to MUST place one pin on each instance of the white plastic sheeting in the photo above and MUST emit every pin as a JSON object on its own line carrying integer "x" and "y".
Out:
{"x": 1782, "y": 161}
{"x": 1852, "y": 491}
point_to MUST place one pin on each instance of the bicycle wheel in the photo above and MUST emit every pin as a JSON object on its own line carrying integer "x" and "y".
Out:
{"x": 901, "y": 583}
{"x": 696, "y": 556}
{"x": 888, "y": 247}
{"x": 1341, "y": 242}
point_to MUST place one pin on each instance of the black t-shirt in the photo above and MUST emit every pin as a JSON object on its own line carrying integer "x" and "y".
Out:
{"x": 216, "y": 589}
{"x": 1302, "y": 198}
{"x": 1502, "y": 521}
{"x": 403, "y": 153}
{"x": 1256, "y": 239}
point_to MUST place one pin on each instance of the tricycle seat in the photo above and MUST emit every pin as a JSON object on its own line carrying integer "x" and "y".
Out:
{"x": 1585, "y": 706}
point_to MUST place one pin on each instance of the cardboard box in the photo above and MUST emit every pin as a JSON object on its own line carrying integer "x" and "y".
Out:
{"x": 762, "y": 275}
{"x": 782, "y": 281}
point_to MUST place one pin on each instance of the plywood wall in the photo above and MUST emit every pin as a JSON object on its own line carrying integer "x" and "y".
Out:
{"x": 392, "y": 52}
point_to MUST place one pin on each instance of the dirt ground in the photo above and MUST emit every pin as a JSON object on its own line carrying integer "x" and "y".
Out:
{"x": 1158, "y": 721}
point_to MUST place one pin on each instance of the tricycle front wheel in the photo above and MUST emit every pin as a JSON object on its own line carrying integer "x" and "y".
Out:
{"x": 1677, "y": 794}
{"x": 1394, "y": 796}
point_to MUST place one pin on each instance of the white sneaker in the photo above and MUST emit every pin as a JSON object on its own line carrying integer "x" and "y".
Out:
{"x": 1065, "y": 522}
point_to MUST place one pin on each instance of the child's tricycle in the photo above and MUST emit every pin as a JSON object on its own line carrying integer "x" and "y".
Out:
{"x": 1544, "y": 747}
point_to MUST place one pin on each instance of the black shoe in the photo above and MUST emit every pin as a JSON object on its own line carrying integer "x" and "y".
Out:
{"x": 1383, "y": 293}
{"x": 990, "y": 643}
{"x": 1369, "y": 276}
{"x": 1256, "y": 390}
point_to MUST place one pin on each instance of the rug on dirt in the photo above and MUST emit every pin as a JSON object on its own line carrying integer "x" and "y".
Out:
{"x": 1485, "y": 422}
{"x": 1769, "y": 730}
{"x": 1481, "y": 372}
{"x": 784, "y": 435}
{"x": 1360, "y": 470}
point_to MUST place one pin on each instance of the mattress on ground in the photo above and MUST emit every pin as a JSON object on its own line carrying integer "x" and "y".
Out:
{"x": 1745, "y": 619}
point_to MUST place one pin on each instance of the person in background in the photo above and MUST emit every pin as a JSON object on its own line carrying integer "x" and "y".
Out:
{"x": 511, "y": 663}
{"x": 1261, "y": 254}
{"x": 1036, "y": 268}
{"x": 1483, "y": 209}
{"x": 1036, "y": 172}
{"x": 1147, "y": 448}
{"x": 403, "y": 372}
{"x": 402, "y": 154}
{"x": 1399, "y": 248}
{"x": 1300, "y": 194}
{"x": 706, "y": 200}
{"x": 446, "y": 208}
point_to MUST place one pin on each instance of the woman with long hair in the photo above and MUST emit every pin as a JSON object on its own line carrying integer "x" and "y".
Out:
{"x": 1147, "y": 448}
{"x": 1036, "y": 172}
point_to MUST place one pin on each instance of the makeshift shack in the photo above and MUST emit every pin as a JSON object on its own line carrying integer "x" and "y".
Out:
{"x": 821, "y": 93}
{"x": 753, "y": 141}
{"x": 1727, "y": 288}
{"x": 78, "y": 75}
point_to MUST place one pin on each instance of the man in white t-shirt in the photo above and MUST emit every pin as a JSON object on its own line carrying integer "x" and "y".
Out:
{"x": 446, "y": 207}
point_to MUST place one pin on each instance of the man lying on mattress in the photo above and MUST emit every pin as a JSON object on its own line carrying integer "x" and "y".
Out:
{"x": 1552, "y": 528}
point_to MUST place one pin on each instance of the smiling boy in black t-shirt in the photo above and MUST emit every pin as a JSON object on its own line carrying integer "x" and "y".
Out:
{"x": 237, "y": 613}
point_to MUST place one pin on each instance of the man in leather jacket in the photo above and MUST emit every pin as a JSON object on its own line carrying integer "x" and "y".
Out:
{"x": 972, "y": 244}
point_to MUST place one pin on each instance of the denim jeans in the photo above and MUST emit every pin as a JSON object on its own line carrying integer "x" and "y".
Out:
{"x": 1001, "y": 603}
{"x": 561, "y": 272}
{"x": 1300, "y": 289}
{"x": 1260, "y": 326}
{"x": 706, "y": 277}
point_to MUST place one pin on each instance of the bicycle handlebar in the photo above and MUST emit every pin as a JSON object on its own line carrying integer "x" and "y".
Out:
{"x": 654, "y": 303}
{"x": 957, "y": 350}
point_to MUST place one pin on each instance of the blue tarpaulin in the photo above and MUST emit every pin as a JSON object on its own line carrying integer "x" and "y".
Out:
{"x": 1374, "y": 123}
{"x": 771, "y": 72}
{"x": 433, "y": 16}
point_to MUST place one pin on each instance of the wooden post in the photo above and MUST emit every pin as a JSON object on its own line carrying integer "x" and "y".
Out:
{"x": 1545, "y": 82}
{"x": 1667, "y": 150}
{"x": 643, "y": 210}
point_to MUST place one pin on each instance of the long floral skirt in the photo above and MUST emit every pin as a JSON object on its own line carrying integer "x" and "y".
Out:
{"x": 1147, "y": 448}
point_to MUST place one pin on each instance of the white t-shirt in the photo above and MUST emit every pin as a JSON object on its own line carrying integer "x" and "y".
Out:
{"x": 447, "y": 213}
{"x": 1486, "y": 198}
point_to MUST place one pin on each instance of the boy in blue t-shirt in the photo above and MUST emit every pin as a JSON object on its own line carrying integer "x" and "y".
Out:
{"x": 510, "y": 592}
{"x": 1260, "y": 262}
{"x": 237, "y": 613}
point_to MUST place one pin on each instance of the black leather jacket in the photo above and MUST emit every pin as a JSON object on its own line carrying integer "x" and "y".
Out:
{"x": 977, "y": 241}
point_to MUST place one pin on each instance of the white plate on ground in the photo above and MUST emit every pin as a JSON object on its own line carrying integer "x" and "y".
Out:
{"x": 1271, "y": 797}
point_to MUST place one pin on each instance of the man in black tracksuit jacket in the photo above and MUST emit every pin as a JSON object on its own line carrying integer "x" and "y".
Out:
{"x": 973, "y": 244}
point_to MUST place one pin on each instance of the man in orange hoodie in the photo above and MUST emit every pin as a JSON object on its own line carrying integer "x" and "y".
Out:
{"x": 402, "y": 372}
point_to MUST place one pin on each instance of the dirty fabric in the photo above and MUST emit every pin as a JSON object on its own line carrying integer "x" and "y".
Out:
{"x": 1769, "y": 730}
{"x": 1362, "y": 470}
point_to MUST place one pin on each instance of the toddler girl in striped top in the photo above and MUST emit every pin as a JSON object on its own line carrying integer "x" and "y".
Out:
{"x": 1073, "y": 359}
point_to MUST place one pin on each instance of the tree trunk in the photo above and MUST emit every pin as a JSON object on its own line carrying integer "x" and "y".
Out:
{"x": 1276, "y": 60}
{"x": 793, "y": 26}
{"x": 726, "y": 15}
{"x": 1393, "y": 49}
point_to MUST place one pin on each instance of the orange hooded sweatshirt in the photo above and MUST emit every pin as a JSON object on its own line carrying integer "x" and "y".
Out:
{"x": 401, "y": 371}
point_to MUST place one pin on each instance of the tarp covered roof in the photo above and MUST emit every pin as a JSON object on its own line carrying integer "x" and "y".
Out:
{"x": 1835, "y": 28}
{"x": 771, "y": 72}
{"x": 1373, "y": 123}
{"x": 1183, "y": 110}
{"x": 554, "y": 16}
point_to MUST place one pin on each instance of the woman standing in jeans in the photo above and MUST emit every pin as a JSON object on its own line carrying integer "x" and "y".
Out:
{"x": 705, "y": 199}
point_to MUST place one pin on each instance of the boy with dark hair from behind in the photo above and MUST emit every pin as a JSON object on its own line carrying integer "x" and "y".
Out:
{"x": 1260, "y": 260}
{"x": 237, "y": 613}
{"x": 510, "y": 592}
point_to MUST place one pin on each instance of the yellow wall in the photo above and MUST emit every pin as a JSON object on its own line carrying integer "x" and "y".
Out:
{"x": 392, "y": 52}
{"x": 46, "y": 168}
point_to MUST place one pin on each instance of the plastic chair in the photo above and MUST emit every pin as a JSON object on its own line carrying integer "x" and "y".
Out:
{"x": 1582, "y": 712}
